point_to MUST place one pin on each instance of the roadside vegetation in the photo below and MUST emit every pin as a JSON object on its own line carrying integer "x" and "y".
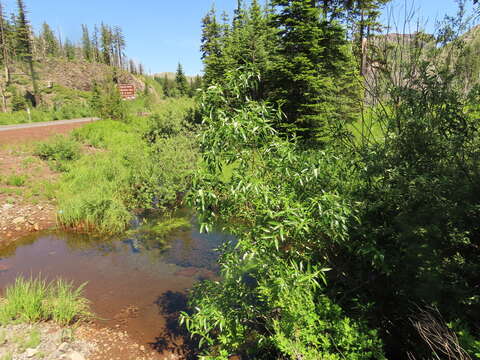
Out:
{"x": 135, "y": 163}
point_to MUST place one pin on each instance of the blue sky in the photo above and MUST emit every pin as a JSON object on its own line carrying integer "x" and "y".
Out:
{"x": 161, "y": 33}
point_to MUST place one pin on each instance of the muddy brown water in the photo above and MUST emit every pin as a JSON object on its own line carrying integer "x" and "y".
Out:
{"x": 135, "y": 283}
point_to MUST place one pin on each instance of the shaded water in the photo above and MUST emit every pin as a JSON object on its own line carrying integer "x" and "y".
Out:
{"x": 134, "y": 282}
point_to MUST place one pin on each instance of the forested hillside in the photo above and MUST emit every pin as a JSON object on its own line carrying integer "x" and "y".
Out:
{"x": 53, "y": 77}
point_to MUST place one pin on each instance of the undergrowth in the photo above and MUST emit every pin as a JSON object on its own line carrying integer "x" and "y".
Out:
{"x": 140, "y": 163}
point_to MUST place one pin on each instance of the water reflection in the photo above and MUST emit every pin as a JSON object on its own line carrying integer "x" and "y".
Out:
{"x": 141, "y": 268}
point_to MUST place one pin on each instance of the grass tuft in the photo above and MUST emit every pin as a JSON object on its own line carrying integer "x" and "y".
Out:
{"x": 33, "y": 300}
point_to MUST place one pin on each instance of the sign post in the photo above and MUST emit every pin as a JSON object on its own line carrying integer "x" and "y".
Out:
{"x": 127, "y": 91}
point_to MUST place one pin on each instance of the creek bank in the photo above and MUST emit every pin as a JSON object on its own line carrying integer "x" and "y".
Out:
{"x": 49, "y": 341}
{"x": 18, "y": 220}
{"x": 25, "y": 203}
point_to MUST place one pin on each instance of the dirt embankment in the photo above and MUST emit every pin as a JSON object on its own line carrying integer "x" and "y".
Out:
{"x": 26, "y": 194}
{"x": 26, "y": 183}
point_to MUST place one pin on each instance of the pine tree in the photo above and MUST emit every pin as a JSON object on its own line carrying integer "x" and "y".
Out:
{"x": 106, "y": 44}
{"x": 132, "y": 67}
{"x": 6, "y": 43}
{"x": 311, "y": 74}
{"x": 166, "y": 85}
{"x": 69, "y": 49}
{"x": 181, "y": 81}
{"x": 24, "y": 45}
{"x": 365, "y": 14}
{"x": 119, "y": 46}
{"x": 49, "y": 40}
{"x": 211, "y": 48}
{"x": 87, "y": 48}
{"x": 95, "y": 45}
{"x": 195, "y": 84}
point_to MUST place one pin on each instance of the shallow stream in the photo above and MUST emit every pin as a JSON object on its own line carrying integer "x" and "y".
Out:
{"x": 136, "y": 282}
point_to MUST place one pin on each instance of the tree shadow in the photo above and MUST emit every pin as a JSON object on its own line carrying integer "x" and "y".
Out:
{"x": 175, "y": 339}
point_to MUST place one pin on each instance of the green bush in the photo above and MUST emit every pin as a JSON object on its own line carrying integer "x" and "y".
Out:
{"x": 32, "y": 300}
{"x": 287, "y": 207}
{"x": 58, "y": 151}
{"x": 59, "y": 148}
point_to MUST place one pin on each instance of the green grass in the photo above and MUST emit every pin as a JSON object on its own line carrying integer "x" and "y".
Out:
{"x": 16, "y": 180}
{"x": 65, "y": 112}
{"x": 33, "y": 300}
{"x": 144, "y": 163}
{"x": 8, "y": 356}
{"x": 369, "y": 129}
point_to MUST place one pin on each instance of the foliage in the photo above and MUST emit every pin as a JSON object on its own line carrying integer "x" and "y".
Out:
{"x": 313, "y": 72}
{"x": 16, "y": 180}
{"x": 141, "y": 164}
{"x": 34, "y": 299}
{"x": 107, "y": 103}
{"x": 283, "y": 204}
{"x": 181, "y": 81}
{"x": 59, "y": 148}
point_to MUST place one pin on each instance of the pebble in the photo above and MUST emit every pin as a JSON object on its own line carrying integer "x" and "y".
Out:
{"x": 31, "y": 352}
{"x": 18, "y": 220}
{"x": 75, "y": 355}
{"x": 63, "y": 347}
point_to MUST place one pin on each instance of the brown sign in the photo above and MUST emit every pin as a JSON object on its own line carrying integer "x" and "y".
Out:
{"x": 127, "y": 91}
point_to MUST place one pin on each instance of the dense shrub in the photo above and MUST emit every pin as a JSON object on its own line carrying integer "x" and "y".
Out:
{"x": 391, "y": 225}
{"x": 285, "y": 205}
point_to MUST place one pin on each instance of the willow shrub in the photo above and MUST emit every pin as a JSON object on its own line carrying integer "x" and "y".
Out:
{"x": 282, "y": 203}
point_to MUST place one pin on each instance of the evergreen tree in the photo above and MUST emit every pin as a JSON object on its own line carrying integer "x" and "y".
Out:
{"x": 95, "y": 45}
{"x": 119, "y": 46}
{"x": 195, "y": 84}
{"x": 365, "y": 14}
{"x": 106, "y": 44}
{"x": 50, "y": 43}
{"x": 181, "y": 81}
{"x": 24, "y": 45}
{"x": 312, "y": 73}
{"x": 250, "y": 43}
{"x": 87, "y": 48}
{"x": 22, "y": 33}
{"x": 6, "y": 36}
{"x": 211, "y": 48}
{"x": 69, "y": 49}
{"x": 167, "y": 87}
{"x": 132, "y": 67}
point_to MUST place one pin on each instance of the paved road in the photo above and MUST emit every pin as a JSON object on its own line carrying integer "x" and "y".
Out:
{"x": 47, "y": 123}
